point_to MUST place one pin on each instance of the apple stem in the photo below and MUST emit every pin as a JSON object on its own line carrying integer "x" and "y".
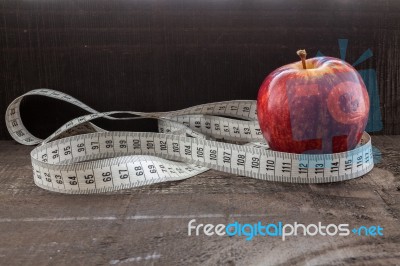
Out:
{"x": 302, "y": 54}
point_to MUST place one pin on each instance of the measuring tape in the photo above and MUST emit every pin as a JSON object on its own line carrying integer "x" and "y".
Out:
{"x": 82, "y": 158}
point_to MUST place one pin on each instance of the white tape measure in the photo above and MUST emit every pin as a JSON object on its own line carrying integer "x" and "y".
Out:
{"x": 83, "y": 158}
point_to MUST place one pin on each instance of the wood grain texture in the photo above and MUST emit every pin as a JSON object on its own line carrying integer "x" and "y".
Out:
{"x": 148, "y": 225}
{"x": 165, "y": 55}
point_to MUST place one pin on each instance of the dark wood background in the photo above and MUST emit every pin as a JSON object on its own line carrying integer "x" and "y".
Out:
{"x": 164, "y": 55}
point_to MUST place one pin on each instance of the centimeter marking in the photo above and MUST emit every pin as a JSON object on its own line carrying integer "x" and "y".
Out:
{"x": 100, "y": 161}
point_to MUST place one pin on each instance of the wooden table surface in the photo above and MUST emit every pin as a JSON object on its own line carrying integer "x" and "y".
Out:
{"x": 148, "y": 225}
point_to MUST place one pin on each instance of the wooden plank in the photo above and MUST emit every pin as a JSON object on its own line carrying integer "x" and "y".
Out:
{"x": 148, "y": 225}
{"x": 159, "y": 56}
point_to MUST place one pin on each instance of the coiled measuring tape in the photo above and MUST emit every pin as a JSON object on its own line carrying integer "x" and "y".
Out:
{"x": 82, "y": 158}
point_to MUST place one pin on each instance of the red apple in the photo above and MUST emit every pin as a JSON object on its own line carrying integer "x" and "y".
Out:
{"x": 318, "y": 105}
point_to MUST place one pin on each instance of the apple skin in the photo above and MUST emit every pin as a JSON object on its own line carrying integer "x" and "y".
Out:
{"x": 321, "y": 109}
